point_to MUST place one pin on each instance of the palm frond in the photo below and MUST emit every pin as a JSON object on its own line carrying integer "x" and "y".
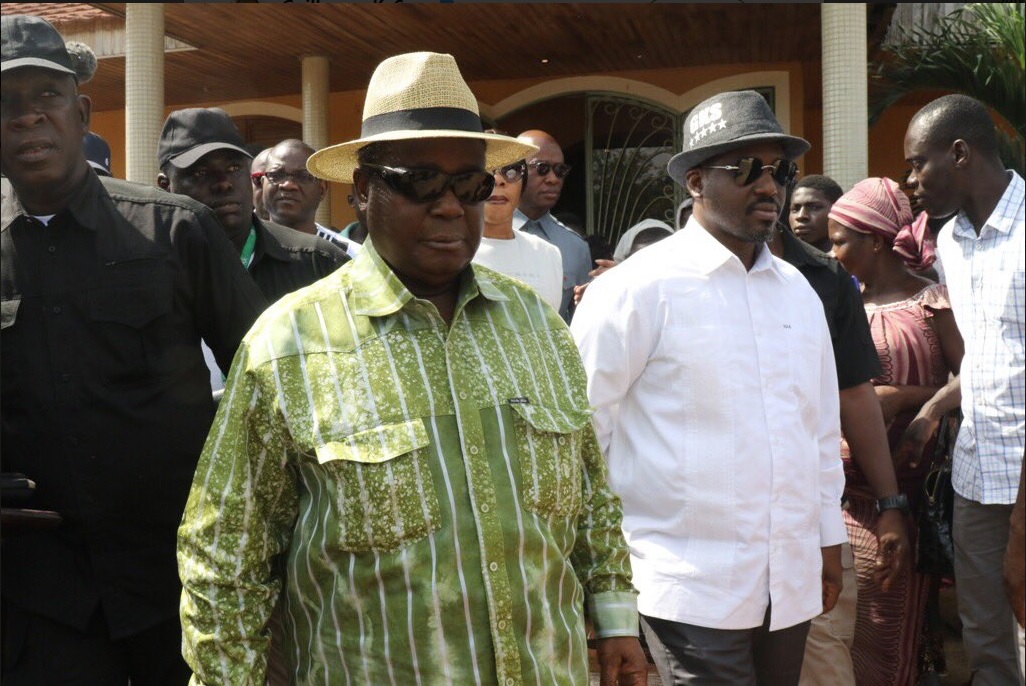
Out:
{"x": 977, "y": 50}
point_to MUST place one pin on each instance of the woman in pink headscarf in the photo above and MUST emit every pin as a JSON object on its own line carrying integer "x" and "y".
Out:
{"x": 910, "y": 318}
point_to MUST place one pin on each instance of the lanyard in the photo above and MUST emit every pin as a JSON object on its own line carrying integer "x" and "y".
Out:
{"x": 247, "y": 249}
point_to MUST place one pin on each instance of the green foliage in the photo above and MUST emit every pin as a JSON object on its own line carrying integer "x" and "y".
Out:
{"x": 977, "y": 50}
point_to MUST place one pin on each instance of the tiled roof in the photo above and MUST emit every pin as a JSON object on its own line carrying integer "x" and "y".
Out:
{"x": 56, "y": 12}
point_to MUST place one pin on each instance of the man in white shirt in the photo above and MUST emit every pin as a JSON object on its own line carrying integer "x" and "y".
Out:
{"x": 953, "y": 151}
{"x": 712, "y": 375}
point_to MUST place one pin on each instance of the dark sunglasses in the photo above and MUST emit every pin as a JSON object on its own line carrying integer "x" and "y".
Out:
{"x": 749, "y": 169}
{"x": 280, "y": 176}
{"x": 543, "y": 168}
{"x": 511, "y": 172}
{"x": 428, "y": 185}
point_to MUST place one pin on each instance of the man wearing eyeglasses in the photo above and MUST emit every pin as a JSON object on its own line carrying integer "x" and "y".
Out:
{"x": 201, "y": 155}
{"x": 545, "y": 173}
{"x": 292, "y": 194}
{"x": 712, "y": 375}
{"x": 404, "y": 453}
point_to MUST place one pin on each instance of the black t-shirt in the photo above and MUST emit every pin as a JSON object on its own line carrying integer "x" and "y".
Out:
{"x": 105, "y": 395}
{"x": 854, "y": 352}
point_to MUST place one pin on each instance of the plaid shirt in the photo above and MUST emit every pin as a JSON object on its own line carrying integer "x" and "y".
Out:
{"x": 984, "y": 275}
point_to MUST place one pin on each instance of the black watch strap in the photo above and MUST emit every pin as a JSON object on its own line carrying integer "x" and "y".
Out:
{"x": 893, "y": 502}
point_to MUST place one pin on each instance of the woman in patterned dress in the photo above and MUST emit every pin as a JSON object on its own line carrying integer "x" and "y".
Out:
{"x": 874, "y": 237}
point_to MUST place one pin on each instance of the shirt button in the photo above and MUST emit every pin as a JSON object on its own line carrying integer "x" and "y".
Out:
{"x": 51, "y": 249}
{"x": 510, "y": 682}
{"x": 65, "y": 378}
{"x": 56, "y": 309}
{"x": 561, "y": 440}
{"x": 474, "y": 450}
{"x": 493, "y": 566}
{"x": 463, "y": 395}
{"x": 502, "y": 623}
{"x": 485, "y": 507}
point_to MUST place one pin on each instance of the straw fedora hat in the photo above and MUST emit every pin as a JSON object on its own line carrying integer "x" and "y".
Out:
{"x": 411, "y": 96}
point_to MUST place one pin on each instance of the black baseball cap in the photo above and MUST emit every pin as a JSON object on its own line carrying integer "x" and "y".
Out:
{"x": 97, "y": 153}
{"x": 191, "y": 133}
{"x": 33, "y": 42}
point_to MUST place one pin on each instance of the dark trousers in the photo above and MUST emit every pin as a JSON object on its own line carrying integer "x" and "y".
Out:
{"x": 38, "y": 651}
{"x": 989, "y": 630}
{"x": 688, "y": 655}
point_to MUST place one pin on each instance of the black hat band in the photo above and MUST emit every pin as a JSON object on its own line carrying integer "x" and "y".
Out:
{"x": 422, "y": 119}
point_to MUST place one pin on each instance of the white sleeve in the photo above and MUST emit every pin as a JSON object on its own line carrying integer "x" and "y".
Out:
{"x": 831, "y": 476}
{"x": 614, "y": 334}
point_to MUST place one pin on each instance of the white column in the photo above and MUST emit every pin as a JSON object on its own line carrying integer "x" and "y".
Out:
{"x": 315, "y": 115}
{"x": 845, "y": 96}
{"x": 144, "y": 89}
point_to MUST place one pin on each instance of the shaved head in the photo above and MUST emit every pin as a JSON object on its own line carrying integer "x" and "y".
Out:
{"x": 541, "y": 190}
{"x": 957, "y": 117}
{"x": 537, "y": 137}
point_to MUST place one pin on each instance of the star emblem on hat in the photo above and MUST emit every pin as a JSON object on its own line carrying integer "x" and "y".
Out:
{"x": 722, "y": 125}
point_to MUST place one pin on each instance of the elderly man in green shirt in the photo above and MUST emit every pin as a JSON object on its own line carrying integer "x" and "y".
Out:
{"x": 404, "y": 450}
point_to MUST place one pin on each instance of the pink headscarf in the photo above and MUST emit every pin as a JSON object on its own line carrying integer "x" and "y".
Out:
{"x": 878, "y": 206}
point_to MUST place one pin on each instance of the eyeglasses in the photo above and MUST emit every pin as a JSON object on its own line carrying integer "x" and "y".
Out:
{"x": 749, "y": 169}
{"x": 511, "y": 172}
{"x": 279, "y": 176}
{"x": 428, "y": 185}
{"x": 257, "y": 178}
{"x": 561, "y": 169}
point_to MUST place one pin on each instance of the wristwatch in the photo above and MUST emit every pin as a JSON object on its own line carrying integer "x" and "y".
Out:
{"x": 893, "y": 502}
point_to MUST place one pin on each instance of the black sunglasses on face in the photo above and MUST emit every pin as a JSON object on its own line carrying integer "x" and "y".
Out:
{"x": 428, "y": 185}
{"x": 511, "y": 172}
{"x": 749, "y": 169}
{"x": 279, "y": 176}
{"x": 561, "y": 169}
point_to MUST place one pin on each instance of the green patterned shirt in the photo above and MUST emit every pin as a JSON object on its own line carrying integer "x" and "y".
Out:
{"x": 430, "y": 502}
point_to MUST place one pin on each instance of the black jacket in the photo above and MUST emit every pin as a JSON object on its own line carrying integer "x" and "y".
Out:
{"x": 105, "y": 398}
{"x": 285, "y": 260}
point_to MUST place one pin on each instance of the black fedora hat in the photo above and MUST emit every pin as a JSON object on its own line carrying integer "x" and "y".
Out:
{"x": 727, "y": 121}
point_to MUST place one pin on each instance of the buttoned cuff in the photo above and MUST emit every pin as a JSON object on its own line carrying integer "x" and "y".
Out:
{"x": 614, "y": 613}
{"x": 831, "y": 527}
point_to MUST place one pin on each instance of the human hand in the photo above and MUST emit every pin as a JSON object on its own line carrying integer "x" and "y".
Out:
{"x": 892, "y": 548}
{"x": 579, "y": 293}
{"x": 913, "y": 441}
{"x": 603, "y": 267}
{"x": 833, "y": 579}
{"x": 621, "y": 661}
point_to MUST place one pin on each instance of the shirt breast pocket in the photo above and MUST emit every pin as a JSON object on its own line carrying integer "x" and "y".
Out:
{"x": 549, "y": 445}
{"x": 385, "y": 493}
{"x": 124, "y": 324}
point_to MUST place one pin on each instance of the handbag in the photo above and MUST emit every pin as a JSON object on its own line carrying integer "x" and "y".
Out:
{"x": 934, "y": 545}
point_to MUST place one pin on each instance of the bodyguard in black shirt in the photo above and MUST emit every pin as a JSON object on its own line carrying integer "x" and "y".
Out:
{"x": 201, "y": 155}
{"x": 107, "y": 288}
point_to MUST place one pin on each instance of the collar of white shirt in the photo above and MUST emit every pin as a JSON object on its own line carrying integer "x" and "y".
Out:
{"x": 1003, "y": 217}
{"x": 708, "y": 254}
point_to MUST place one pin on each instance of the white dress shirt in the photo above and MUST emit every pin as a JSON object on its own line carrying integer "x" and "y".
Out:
{"x": 984, "y": 275}
{"x": 716, "y": 406}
